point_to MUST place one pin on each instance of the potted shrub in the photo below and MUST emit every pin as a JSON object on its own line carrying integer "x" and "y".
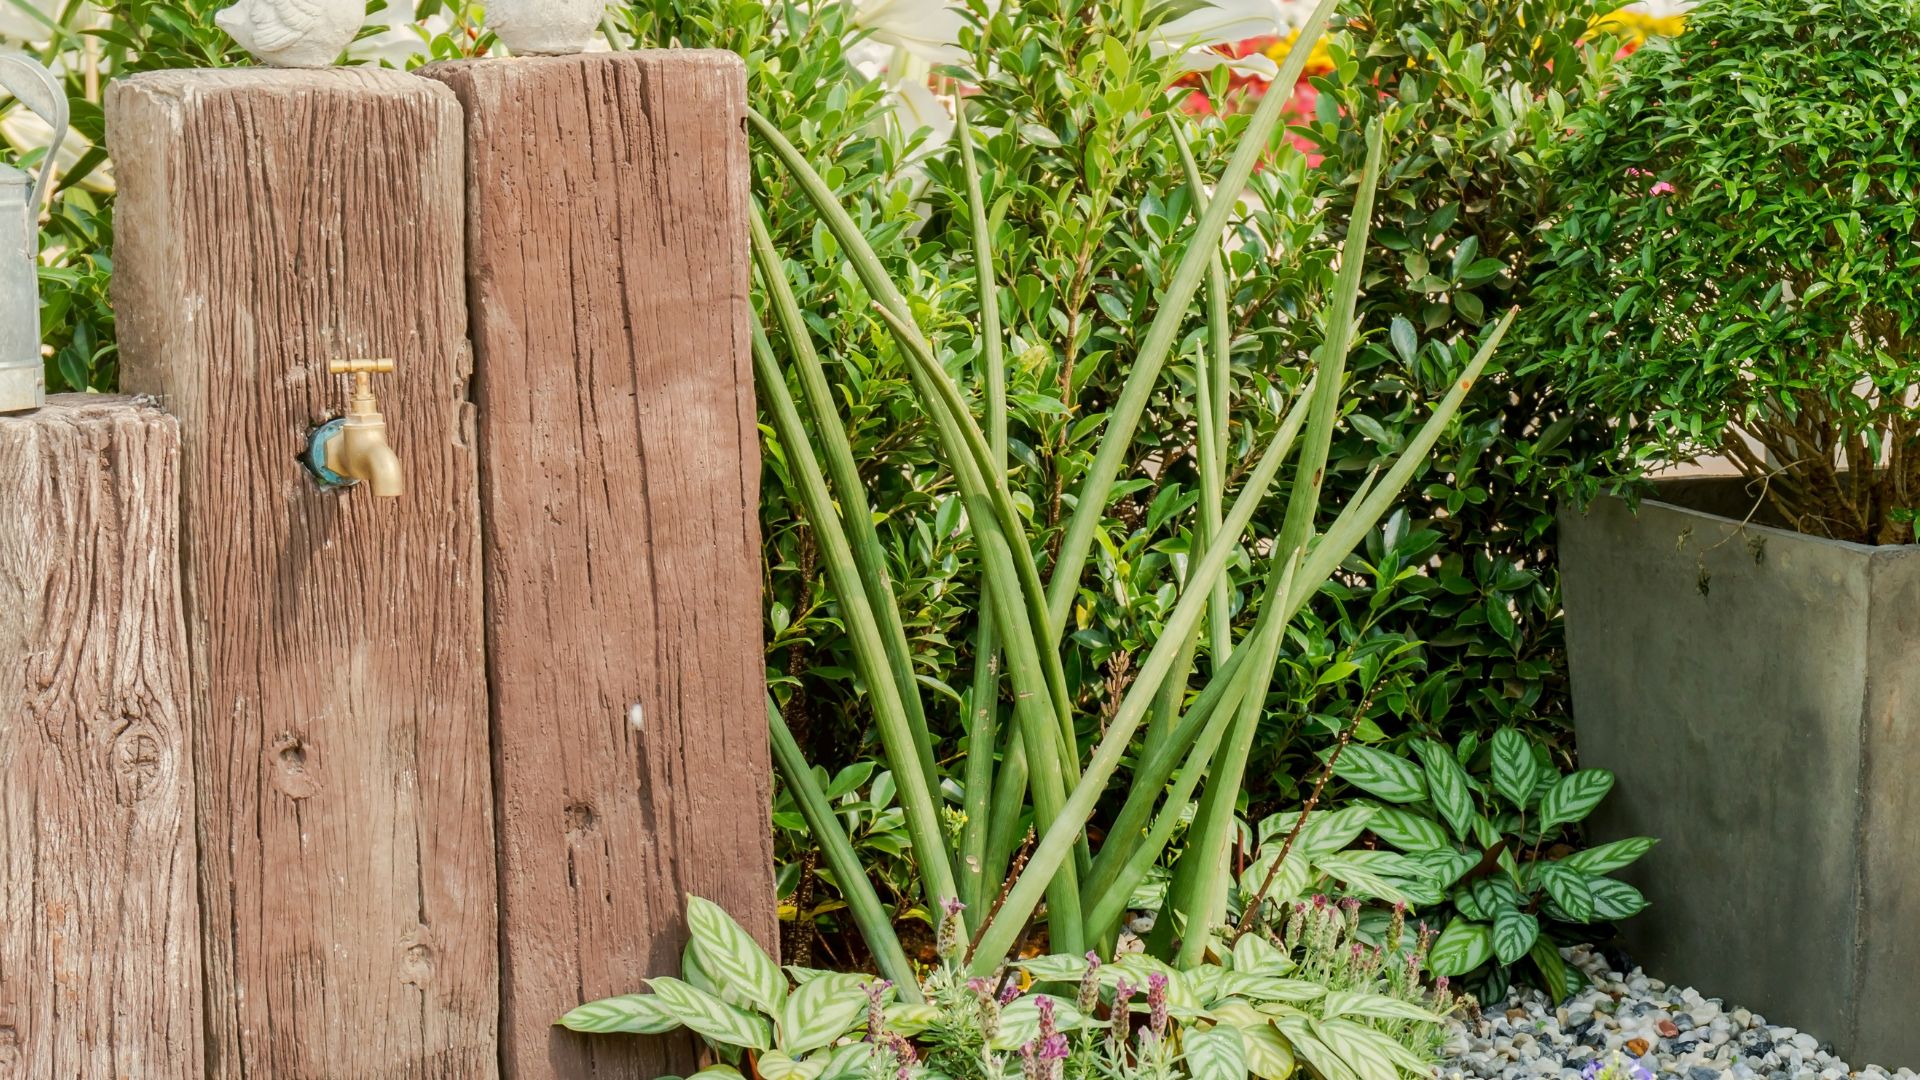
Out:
{"x": 1733, "y": 273}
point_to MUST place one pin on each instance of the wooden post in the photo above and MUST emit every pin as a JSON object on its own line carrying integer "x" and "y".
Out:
{"x": 99, "y": 959}
{"x": 268, "y": 222}
{"x": 607, "y": 241}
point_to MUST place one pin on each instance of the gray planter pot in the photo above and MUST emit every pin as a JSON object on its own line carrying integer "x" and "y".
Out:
{"x": 1757, "y": 692}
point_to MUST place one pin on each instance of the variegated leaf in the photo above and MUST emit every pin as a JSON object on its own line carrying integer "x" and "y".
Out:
{"x": 1267, "y": 987}
{"x": 1058, "y": 967}
{"x": 637, "y": 1014}
{"x": 1607, "y": 858}
{"x": 777, "y": 1065}
{"x": 1268, "y": 1054}
{"x": 1255, "y": 955}
{"x": 847, "y": 1062}
{"x": 1373, "y": 1006}
{"x": 1515, "y": 773}
{"x": 718, "y": 1072}
{"x": 1615, "y": 899}
{"x": 820, "y": 1011}
{"x": 1333, "y": 830}
{"x": 1408, "y": 831}
{"x": 1462, "y": 947}
{"x": 1291, "y": 880}
{"x": 1574, "y": 797}
{"x": 1020, "y": 1021}
{"x": 731, "y": 956}
{"x": 1514, "y": 932}
{"x": 708, "y": 1015}
{"x": 1381, "y": 774}
{"x": 1447, "y": 787}
{"x": 1300, "y": 1033}
{"x": 1215, "y": 1054}
{"x": 910, "y": 1017}
{"x": 1372, "y": 1053}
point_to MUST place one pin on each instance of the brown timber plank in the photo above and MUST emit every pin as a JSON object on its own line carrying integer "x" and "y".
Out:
{"x": 270, "y": 221}
{"x": 99, "y": 923}
{"x": 607, "y": 242}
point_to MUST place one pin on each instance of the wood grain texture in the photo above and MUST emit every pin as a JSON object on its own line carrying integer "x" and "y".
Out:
{"x": 99, "y": 923}
{"x": 609, "y": 282}
{"x": 269, "y": 221}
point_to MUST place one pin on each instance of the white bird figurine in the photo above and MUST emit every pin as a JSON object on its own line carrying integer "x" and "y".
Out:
{"x": 544, "y": 27}
{"x": 294, "y": 33}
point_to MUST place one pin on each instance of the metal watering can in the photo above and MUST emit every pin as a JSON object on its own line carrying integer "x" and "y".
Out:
{"x": 23, "y": 380}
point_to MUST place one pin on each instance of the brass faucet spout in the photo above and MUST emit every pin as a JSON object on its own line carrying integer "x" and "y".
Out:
{"x": 355, "y": 448}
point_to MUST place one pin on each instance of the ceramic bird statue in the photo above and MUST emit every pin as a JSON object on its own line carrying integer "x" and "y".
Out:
{"x": 544, "y": 27}
{"x": 294, "y": 33}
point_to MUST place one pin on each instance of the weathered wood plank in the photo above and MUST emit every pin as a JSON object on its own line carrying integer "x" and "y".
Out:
{"x": 99, "y": 924}
{"x": 270, "y": 221}
{"x": 607, "y": 244}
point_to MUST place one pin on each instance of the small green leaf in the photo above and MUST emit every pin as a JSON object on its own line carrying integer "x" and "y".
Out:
{"x": 1562, "y": 982}
{"x": 1514, "y": 771}
{"x": 1406, "y": 340}
{"x": 1607, "y": 858}
{"x": 1461, "y": 948}
{"x": 1268, "y": 1054}
{"x": 1574, "y": 797}
{"x": 1514, "y": 932}
{"x": 1572, "y": 890}
{"x": 1381, "y": 774}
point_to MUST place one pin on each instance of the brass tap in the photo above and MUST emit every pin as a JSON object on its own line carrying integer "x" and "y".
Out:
{"x": 359, "y": 450}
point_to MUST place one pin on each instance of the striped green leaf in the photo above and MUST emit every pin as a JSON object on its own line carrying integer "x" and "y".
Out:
{"x": 711, "y": 1017}
{"x": 776, "y": 1065}
{"x": 1574, "y": 797}
{"x": 1514, "y": 932}
{"x": 1615, "y": 899}
{"x": 1408, "y": 831}
{"x": 1255, "y": 955}
{"x": 1562, "y": 981}
{"x": 732, "y": 958}
{"x": 1269, "y": 1056}
{"x": 1381, "y": 774}
{"x": 820, "y": 1011}
{"x": 1515, "y": 772}
{"x": 1372, "y": 1053}
{"x": 1443, "y": 868}
{"x": 1607, "y": 858}
{"x": 1303, "y": 1035}
{"x": 1570, "y": 889}
{"x": 1373, "y": 1006}
{"x": 638, "y": 1014}
{"x": 1264, "y": 988}
{"x": 718, "y": 1072}
{"x": 1330, "y": 831}
{"x": 1462, "y": 947}
{"x": 911, "y": 1017}
{"x": 1371, "y": 873}
{"x": 1447, "y": 786}
{"x": 848, "y": 1062}
{"x": 1217, "y": 1053}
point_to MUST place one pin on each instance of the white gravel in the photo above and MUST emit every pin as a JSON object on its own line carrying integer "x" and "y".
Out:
{"x": 1672, "y": 1032}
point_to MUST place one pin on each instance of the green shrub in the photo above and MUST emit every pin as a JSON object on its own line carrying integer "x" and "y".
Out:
{"x": 1735, "y": 268}
{"x": 1475, "y": 97}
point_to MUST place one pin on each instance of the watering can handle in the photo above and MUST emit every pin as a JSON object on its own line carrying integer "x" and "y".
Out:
{"x": 38, "y": 90}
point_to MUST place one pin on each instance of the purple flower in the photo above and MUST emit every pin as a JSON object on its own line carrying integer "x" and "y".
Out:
{"x": 1047, "y": 1028}
{"x": 1157, "y": 1004}
{"x": 1090, "y": 984}
{"x": 1121, "y": 1023}
{"x": 876, "y": 1009}
{"x": 1009, "y": 992}
{"x": 952, "y": 930}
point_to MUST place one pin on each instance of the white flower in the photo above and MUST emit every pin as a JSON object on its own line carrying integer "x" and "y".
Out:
{"x": 928, "y": 29}
{"x": 915, "y": 108}
{"x": 1661, "y": 9}
{"x": 1223, "y": 22}
{"x": 400, "y": 42}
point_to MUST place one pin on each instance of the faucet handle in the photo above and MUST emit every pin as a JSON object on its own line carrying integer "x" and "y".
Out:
{"x": 383, "y": 366}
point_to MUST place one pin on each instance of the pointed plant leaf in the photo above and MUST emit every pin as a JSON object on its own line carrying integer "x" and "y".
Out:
{"x": 1615, "y": 899}
{"x": 1269, "y": 1056}
{"x": 777, "y": 1065}
{"x": 1462, "y": 947}
{"x": 637, "y": 1014}
{"x": 1409, "y": 831}
{"x": 732, "y": 957}
{"x": 1607, "y": 858}
{"x": 1217, "y": 1053}
{"x": 1374, "y": 1006}
{"x": 1380, "y": 774}
{"x": 1368, "y": 1051}
{"x": 1514, "y": 932}
{"x": 1574, "y": 797}
{"x": 1562, "y": 981}
{"x": 1570, "y": 889}
{"x": 1303, "y": 1035}
{"x": 1515, "y": 773}
{"x": 1447, "y": 787}
{"x": 709, "y": 1016}
{"x": 820, "y": 1011}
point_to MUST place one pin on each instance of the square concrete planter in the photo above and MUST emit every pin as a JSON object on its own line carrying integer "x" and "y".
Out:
{"x": 1757, "y": 692}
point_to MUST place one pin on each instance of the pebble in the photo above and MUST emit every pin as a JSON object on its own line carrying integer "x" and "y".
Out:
{"x": 1675, "y": 1033}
